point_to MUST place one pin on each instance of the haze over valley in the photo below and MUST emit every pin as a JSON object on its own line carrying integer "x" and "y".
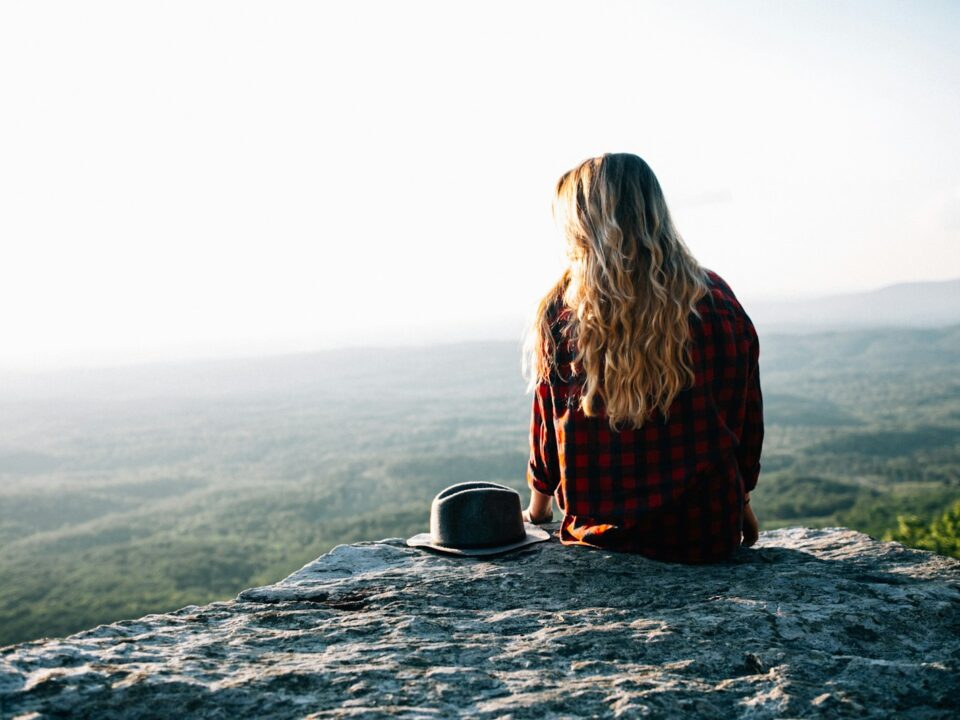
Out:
{"x": 145, "y": 488}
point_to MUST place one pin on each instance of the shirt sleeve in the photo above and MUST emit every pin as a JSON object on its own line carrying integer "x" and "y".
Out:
{"x": 751, "y": 438}
{"x": 543, "y": 470}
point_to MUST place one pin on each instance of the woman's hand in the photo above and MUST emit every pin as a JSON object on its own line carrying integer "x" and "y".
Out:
{"x": 751, "y": 526}
{"x": 540, "y": 509}
{"x": 537, "y": 520}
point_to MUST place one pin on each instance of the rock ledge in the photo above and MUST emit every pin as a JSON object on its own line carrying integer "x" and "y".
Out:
{"x": 810, "y": 623}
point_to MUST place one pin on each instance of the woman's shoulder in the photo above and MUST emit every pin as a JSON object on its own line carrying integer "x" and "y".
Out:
{"x": 719, "y": 293}
{"x": 721, "y": 301}
{"x": 559, "y": 317}
{"x": 717, "y": 285}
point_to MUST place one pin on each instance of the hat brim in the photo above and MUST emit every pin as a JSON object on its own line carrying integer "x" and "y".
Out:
{"x": 534, "y": 535}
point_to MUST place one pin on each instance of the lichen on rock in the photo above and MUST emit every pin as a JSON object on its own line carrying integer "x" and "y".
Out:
{"x": 809, "y": 623}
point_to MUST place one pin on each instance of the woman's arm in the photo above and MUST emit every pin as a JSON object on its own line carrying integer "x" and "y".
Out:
{"x": 751, "y": 436}
{"x": 543, "y": 470}
{"x": 751, "y": 439}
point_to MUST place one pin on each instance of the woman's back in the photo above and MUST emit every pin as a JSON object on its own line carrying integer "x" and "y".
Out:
{"x": 647, "y": 418}
{"x": 674, "y": 488}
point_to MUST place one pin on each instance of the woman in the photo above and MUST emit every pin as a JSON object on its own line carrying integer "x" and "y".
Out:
{"x": 647, "y": 419}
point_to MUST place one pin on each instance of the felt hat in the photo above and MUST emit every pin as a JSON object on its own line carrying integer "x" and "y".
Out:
{"x": 477, "y": 518}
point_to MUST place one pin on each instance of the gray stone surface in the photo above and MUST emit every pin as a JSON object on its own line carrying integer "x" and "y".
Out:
{"x": 810, "y": 623}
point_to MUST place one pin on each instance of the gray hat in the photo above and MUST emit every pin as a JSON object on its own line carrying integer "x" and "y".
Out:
{"x": 477, "y": 518}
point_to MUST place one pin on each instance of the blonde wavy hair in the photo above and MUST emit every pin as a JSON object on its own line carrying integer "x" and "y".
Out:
{"x": 631, "y": 285}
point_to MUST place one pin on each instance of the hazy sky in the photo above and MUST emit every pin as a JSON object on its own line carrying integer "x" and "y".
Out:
{"x": 196, "y": 178}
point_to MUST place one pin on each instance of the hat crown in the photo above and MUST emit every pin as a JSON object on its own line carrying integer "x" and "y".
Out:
{"x": 476, "y": 515}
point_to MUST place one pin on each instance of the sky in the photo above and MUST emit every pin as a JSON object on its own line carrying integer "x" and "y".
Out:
{"x": 194, "y": 179}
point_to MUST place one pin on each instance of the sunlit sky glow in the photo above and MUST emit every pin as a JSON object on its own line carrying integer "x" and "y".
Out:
{"x": 184, "y": 179}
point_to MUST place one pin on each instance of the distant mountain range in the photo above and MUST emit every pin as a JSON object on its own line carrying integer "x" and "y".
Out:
{"x": 919, "y": 304}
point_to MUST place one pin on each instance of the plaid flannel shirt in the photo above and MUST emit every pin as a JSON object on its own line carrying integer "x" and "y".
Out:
{"x": 672, "y": 489}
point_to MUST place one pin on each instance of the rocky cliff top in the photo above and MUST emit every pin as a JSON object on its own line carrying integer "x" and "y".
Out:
{"x": 809, "y": 623}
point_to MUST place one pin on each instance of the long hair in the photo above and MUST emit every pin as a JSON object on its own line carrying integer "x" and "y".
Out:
{"x": 630, "y": 286}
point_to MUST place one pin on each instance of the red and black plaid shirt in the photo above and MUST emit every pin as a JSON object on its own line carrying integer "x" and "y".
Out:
{"x": 672, "y": 489}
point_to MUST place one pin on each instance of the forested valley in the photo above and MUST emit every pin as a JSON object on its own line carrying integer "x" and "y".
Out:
{"x": 134, "y": 490}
